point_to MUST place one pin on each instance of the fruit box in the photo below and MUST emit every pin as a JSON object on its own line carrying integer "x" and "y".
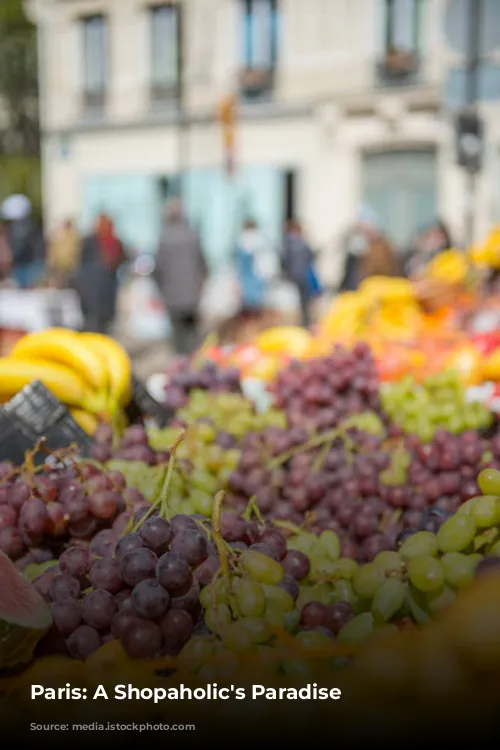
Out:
{"x": 36, "y": 413}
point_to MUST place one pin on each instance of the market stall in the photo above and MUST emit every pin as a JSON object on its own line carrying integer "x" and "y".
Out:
{"x": 322, "y": 509}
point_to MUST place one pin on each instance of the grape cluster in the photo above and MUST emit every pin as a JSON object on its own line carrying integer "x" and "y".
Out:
{"x": 41, "y": 511}
{"x": 442, "y": 472}
{"x": 321, "y": 393}
{"x": 439, "y": 403}
{"x": 186, "y": 377}
{"x": 151, "y": 587}
{"x": 134, "y": 445}
{"x": 338, "y": 483}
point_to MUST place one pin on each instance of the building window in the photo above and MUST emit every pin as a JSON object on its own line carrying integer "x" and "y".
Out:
{"x": 95, "y": 57}
{"x": 166, "y": 52}
{"x": 401, "y": 38}
{"x": 259, "y": 45}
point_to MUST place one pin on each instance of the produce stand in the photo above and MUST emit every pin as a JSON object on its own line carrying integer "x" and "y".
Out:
{"x": 310, "y": 509}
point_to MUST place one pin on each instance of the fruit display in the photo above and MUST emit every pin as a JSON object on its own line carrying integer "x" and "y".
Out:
{"x": 90, "y": 373}
{"x": 439, "y": 402}
{"x": 316, "y": 541}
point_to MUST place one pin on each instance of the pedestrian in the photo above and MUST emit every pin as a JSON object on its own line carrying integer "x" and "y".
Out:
{"x": 298, "y": 264}
{"x": 428, "y": 243}
{"x": 5, "y": 255}
{"x": 96, "y": 280}
{"x": 64, "y": 252}
{"x": 24, "y": 237}
{"x": 181, "y": 272}
{"x": 257, "y": 265}
{"x": 368, "y": 252}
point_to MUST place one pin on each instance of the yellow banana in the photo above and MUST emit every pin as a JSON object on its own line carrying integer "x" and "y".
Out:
{"x": 65, "y": 384}
{"x": 87, "y": 421}
{"x": 66, "y": 348}
{"x": 117, "y": 362}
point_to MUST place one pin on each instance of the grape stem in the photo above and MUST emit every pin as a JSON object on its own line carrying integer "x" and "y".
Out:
{"x": 252, "y": 507}
{"x": 217, "y": 536}
{"x": 161, "y": 500}
{"x": 314, "y": 442}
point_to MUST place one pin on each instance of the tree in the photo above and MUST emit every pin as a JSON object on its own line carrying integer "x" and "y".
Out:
{"x": 19, "y": 114}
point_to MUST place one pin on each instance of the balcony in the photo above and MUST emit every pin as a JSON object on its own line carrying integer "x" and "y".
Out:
{"x": 256, "y": 84}
{"x": 398, "y": 68}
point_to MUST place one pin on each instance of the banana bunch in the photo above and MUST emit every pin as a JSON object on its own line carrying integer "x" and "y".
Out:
{"x": 346, "y": 317}
{"x": 451, "y": 267}
{"x": 88, "y": 372}
{"x": 487, "y": 255}
{"x": 386, "y": 289}
{"x": 290, "y": 340}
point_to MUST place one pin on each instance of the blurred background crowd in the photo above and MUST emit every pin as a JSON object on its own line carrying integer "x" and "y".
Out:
{"x": 245, "y": 158}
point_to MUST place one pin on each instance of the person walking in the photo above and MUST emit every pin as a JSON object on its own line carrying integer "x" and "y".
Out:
{"x": 64, "y": 252}
{"x": 257, "y": 265}
{"x": 181, "y": 272}
{"x": 298, "y": 264}
{"x": 96, "y": 280}
{"x": 24, "y": 237}
{"x": 368, "y": 252}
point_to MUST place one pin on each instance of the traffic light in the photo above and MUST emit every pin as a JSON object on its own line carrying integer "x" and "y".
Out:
{"x": 470, "y": 141}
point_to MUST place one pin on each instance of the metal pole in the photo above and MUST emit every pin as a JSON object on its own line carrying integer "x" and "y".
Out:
{"x": 473, "y": 68}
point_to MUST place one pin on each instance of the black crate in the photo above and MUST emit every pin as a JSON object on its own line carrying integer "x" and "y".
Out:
{"x": 37, "y": 414}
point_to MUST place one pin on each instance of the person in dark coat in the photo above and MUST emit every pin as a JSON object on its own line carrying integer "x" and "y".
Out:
{"x": 97, "y": 278}
{"x": 298, "y": 259}
{"x": 367, "y": 252}
{"x": 181, "y": 271}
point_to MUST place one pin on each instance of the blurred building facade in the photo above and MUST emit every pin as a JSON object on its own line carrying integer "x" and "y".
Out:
{"x": 340, "y": 102}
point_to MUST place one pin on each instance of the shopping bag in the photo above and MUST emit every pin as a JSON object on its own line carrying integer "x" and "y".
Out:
{"x": 314, "y": 286}
{"x": 282, "y": 297}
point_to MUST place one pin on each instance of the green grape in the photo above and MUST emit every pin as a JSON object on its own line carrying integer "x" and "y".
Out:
{"x": 303, "y": 542}
{"x": 344, "y": 567}
{"x": 279, "y": 596}
{"x": 475, "y": 558}
{"x": 426, "y": 573}
{"x": 232, "y": 457}
{"x": 292, "y": 621}
{"x": 329, "y": 544}
{"x": 438, "y": 601}
{"x": 203, "y": 481}
{"x": 342, "y": 592}
{"x": 466, "y": 508}
{"x": 418, "y": 606}
{"x": 421, "y": 543}
{"x": 389, "y": 562}
{"x": 275, "y": 616}
{"x": 258, "y": 629}
{"x": 486, "y": 511}
{"x": 489, "y": 482}
{"x": 236, "y": 637}
{"x": 262, "y": 568}
{"x": 202, "y": 502}
{"x": 494, "y": 549}
{"x": 388, "y": 600}
{"x": 196, "y": 653}
{"x": 321, "y": 566}
{"x": 458, "y": 569}
{"x": 321, "y": 592}
{"x": 456, "y": 533}
{"x": 250, "y": 598}
{"x": 217, "y": 616}
{"x": 311, "y": 640}
{"x": 207, "y": 433}
{"x": 367, "y": 580}
{"x": 357, "y": 630}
